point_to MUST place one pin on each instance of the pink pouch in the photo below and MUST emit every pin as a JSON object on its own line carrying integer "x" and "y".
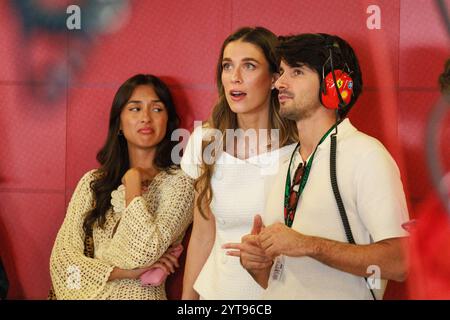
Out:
{"x": 156, "y": 276}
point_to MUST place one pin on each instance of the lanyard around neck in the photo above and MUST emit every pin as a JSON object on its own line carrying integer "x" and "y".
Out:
{"x": 304, "y": 179}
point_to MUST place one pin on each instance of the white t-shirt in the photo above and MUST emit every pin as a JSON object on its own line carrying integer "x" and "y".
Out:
{"x": 372, "y": 192}
{"x": 239, "y": 193}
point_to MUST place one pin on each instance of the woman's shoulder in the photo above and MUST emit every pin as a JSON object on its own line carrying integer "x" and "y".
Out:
{"x": 174, "y": 181}
{"x": 85, "y": 182}
{"x": 176, "y": 176}
{"x": 192, "y": 153}
{"x": 204, "y": 131}
{"x": 90, "y": 176}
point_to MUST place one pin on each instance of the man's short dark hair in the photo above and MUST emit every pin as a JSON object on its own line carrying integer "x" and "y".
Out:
{"x": 313, "y": 51}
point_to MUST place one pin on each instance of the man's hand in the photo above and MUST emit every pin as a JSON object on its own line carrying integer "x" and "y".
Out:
{"x": 252, "y": 256}
{"x": 278, "y": 239}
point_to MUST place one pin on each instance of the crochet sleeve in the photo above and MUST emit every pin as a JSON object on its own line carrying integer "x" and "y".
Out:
{"x": 142, "y": 235}
{"x": 75, "y": 276}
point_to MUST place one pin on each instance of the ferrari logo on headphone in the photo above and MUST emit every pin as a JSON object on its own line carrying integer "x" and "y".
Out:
{"x": 344, "y": 94}
{"x": 343, "y": 87}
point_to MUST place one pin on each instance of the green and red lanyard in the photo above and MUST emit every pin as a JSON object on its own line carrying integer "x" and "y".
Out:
{"x": 288, "y": 219}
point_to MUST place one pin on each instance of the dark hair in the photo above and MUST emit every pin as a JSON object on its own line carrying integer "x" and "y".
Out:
{"x": 113, "y": 156}
{"x": 223, "y": 117}
{"x": 444, "y": 79}
{"x": 313, "y": 51}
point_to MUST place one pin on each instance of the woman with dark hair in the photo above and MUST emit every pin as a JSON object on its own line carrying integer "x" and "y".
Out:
{"x": 231, "y": 181}
{"x": 135, "y": 206}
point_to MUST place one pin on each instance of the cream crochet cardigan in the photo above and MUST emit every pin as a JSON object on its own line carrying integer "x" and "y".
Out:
{"x": 145, "y": 229}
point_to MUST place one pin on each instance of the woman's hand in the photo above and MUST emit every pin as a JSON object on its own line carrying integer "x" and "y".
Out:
{"x": 167, "y": 262}
{"x": 132, "y": 180}
{"x": 137, "y": 175}
{"x": 119, "y": 274}
{"x": 132, "y": 176}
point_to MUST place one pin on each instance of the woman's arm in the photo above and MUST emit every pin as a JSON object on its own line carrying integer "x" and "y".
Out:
{"x": 200, "y": 245}
{"x": 168, "y": 262}
{"x": 75, "y": 276}
{"x": 144, "y": 234}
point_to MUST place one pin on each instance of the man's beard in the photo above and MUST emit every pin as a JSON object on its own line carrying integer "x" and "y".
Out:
{"x": 297, "y": 113}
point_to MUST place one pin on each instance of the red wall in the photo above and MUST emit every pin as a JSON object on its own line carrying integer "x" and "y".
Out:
{"x": 46, "y": 146}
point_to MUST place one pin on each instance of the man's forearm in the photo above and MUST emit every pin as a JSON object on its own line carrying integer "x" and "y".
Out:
{"x": 388, "y": 255}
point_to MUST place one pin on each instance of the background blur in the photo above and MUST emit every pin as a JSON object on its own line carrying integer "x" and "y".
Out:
{"x": 57, "y": 85}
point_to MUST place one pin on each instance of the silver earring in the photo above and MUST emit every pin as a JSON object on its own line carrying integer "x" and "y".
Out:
{"x": 120, "y": 132}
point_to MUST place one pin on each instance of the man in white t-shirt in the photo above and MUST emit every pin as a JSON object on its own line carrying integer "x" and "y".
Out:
{"x": 324, "y": 240}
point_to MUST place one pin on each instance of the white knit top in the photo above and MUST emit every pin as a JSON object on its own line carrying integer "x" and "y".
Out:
{"x": 145, "y": 229}
{"x": 239, "y": 193}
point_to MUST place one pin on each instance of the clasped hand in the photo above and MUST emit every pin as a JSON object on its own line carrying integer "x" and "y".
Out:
{"x": 258, "y": 249}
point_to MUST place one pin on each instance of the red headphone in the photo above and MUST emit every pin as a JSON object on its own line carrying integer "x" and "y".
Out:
{"x": 336, "y": 88}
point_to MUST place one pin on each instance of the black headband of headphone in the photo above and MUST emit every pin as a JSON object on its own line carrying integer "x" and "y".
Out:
{"x": 330, "y": 58}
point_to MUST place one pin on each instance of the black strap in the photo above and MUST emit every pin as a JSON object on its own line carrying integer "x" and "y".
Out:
{"x": 341, "y": 101}
{"x": 337, "y": 195}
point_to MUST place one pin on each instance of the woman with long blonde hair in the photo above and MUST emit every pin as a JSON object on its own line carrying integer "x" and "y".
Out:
{"x": 231, "y": 156}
